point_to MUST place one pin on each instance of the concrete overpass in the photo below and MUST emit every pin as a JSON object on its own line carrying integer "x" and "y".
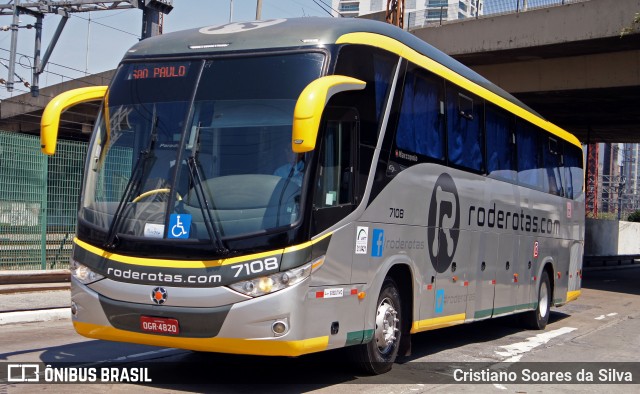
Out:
{"x": 568, "y": 62}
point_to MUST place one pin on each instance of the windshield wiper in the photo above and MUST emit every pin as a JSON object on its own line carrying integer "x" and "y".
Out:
{"x": 284, "y": 188}
{"x": 209, "y": 222}
{"x": 134, "y": 182}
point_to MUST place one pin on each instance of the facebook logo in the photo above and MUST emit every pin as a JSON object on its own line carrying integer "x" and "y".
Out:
{"x": 377, "y": 242}
{"x": 439, "y": 301}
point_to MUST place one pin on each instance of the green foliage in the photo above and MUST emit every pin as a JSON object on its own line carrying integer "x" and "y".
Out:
{"x": 607, "y": 216}
{"x": 634, "y": 216}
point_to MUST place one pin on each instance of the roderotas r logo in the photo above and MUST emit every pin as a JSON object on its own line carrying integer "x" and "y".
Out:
{"x": 443, "y": 222}
{"x": 238, "y": 27}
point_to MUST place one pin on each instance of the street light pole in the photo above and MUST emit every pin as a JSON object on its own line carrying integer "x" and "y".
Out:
{"x": 620, "y": 191}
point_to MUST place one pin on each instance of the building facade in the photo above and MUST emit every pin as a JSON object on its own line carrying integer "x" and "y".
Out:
{"x": 619, "y": 179}
{"x": 631, "y": 173}
{"x": 417, "y": 12}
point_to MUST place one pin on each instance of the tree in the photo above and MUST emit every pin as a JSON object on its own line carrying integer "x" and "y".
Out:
{"x": 634, "y": 216}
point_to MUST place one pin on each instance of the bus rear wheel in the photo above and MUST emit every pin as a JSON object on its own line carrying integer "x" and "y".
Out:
{"x": 538, "y": 318}
{"x": 378, "y": 355}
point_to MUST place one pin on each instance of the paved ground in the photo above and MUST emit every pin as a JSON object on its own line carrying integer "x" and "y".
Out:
{"x": 603, "y": 325}
{"x": 35, "y": 300}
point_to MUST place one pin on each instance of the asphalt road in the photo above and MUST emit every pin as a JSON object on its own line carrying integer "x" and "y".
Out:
{"x": 602, "y": 326}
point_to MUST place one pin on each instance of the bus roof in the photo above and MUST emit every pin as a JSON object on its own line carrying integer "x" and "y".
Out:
{"x": 310, "y": 32}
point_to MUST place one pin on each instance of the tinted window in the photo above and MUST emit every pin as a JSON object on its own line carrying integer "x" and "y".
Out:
{"x": 574, "y": 175}
{"x": 552, "y": 161}
{"x": 237, "y": 131}
{"x": 501, "y": 144}
{"x": 335, "y": 176}
{"x": 375, "y": 67}
{"x": 464, "y": 136}
{"x": 421, "y": 123}
{"x": 530, "y": 171}
{"x": 259, "y": 77}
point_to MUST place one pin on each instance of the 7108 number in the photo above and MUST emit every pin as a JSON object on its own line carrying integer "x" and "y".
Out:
{"x": 397, "y": 213}
{"x": 255, "y": 267}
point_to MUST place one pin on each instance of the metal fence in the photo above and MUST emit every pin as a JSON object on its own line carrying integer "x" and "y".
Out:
{"x": 438, "y": 12}
{"x": 38, "y": 202}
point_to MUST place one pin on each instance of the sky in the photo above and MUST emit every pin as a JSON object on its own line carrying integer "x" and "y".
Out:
{"x": 98, "y": 45}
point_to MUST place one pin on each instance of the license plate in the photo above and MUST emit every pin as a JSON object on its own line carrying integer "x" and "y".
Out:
{"x": 159, "y": 325}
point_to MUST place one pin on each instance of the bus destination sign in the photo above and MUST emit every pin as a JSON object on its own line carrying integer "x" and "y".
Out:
{"x": 158, "y": 71}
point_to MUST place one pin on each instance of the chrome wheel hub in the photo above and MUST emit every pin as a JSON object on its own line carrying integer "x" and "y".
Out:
{"x": 543, "y": 301}
{"x": 386, "y": 325}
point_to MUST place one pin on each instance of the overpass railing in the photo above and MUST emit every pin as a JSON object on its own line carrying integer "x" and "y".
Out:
{"x": 439, "y": 12}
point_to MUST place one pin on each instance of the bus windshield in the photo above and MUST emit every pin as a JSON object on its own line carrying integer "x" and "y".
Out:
{"x": 198, "y": 149}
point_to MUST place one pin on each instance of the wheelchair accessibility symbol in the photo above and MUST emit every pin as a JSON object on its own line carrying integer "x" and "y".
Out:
{"x": 179, "y": 225}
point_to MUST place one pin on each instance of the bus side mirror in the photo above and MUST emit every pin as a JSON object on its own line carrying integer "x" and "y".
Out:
{"x": 51, "y": 115}
{"x": 310, "y": 105}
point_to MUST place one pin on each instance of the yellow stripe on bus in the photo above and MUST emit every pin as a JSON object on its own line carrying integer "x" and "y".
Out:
{"x": 437, "y": 322}
{"x": 306, "y": 244}
{"x": 573, "y": 295}
{"x": 151, "y": 262}
{"x": 260, "y": 347}
{"x": 402, "y": 50}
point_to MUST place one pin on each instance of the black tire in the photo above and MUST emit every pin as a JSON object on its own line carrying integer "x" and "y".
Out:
{"x": 378, "y": 355}
{"x": 538, "y": 318}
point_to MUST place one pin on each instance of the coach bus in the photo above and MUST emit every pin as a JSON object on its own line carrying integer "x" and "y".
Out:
{"x": 289, "y": 186}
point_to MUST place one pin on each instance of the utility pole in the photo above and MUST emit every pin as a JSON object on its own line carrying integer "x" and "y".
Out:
{"x": 152, "y": 16}
{"x": 621, "y": 185}
{"x": 592, "y": 179}
{"x": 14, "y": 45}
{"x": 258, "y": 10}
{"x": 395, "y": 13}
{"x": 151, "y": 25}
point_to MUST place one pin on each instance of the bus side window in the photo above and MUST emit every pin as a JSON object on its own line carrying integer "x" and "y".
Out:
{"x": 377, "y": 68}
{"x": 501, "y": 145}
{"x": 530, "y": 170}
{"x": 574, "y": 175}
{"x": 421, "y": 119}
{"x": 464, "y": 129}
{"x": 335, "y": 172}
{"x": 552, "y": 159}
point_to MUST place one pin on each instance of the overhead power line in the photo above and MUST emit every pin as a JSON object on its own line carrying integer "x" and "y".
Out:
{"x": 331, "y": 8}
{"x": 110, "y": 27}
{"x": 322, "y": 7}
{"x": 64, "y": 76}
{"x": 51, "y": 63}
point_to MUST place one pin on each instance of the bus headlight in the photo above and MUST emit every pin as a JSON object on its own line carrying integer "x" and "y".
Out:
{"x": 83, "y": 273}
{"x": 268, "y": 284}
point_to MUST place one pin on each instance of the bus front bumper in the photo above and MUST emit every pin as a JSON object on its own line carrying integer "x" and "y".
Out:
{"x": 242, "y": 328}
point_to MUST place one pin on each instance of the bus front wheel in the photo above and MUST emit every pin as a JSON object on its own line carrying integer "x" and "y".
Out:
{"x": 378, "y": 355}
{"x": 538, "y": 318}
